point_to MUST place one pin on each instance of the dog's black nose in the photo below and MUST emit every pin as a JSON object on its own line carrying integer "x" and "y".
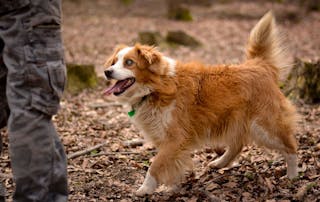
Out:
{"x": 108, "y": 73}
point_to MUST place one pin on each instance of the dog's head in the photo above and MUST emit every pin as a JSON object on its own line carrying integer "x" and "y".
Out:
{"x": 137, "y": 70}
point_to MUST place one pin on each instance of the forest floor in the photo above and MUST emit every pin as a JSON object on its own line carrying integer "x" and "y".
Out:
{"x": 114, "y": 171}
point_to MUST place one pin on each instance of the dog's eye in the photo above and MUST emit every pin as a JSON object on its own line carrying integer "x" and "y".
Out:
{"x": 129, "y": 62}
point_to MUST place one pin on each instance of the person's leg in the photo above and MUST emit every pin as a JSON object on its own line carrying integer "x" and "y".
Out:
{"x": 4, "y": 109}
{"x": 33, "y": 55}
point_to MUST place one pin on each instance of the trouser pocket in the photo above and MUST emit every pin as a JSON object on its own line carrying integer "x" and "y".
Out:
{"x": 10, "y": 5}
{"x": 46, "y": 84}
{"x": 46, "y": 72}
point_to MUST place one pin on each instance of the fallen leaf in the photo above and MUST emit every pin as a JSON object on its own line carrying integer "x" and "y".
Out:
{"x": 212, "y": 186}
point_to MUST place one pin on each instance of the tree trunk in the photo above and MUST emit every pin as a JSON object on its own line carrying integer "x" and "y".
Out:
{"x": 304, "y": 82}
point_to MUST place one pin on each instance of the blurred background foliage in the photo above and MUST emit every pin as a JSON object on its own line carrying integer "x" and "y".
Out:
{"x": 172, "y": 24}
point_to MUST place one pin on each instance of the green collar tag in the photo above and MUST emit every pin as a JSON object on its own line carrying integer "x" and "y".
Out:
{"x": 131, "y": 113}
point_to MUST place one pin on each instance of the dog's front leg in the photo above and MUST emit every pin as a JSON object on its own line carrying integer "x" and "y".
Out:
{"x": 149, "y": 185}
{"x": 168, "y": 167}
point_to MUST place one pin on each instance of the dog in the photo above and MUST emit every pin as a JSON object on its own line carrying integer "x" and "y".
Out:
{"x": 182, "y": 106}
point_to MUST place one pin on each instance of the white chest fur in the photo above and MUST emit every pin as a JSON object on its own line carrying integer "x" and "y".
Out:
{"x": 153, "y": 122}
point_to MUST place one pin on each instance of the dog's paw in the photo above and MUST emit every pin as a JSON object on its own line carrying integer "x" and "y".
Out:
{"x": 144, "y": 190}
{"x": 149, "y": 185}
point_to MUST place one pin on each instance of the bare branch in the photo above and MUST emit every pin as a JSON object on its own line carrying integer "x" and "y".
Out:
{"x": 86, "y": 151}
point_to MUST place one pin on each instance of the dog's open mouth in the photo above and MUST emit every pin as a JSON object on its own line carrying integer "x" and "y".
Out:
{"x": 120, "y": 87}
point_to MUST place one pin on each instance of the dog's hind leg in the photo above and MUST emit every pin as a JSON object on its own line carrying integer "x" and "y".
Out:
{"x": 292, "y": 167}
{"x": 278, "y": 136}
{"x": 229, "y": 155}
{"x": 231, "y": 136}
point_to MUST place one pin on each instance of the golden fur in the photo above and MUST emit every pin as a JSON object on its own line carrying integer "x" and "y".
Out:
{"x": 227, "y": 106}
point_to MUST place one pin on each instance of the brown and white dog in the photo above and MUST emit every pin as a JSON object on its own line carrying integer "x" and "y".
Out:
{"x": 182, "y": 106}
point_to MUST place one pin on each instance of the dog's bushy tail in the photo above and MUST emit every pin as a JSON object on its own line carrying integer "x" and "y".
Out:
{"x": 266, "y": 43}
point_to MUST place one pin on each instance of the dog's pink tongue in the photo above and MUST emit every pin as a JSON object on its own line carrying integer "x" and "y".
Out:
{"x": 110, "y": 90}
{"x": 115, "y": 88}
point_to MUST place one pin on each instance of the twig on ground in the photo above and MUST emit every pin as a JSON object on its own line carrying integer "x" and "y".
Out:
{"x": 122, "y": 153}
{"x": 114, "y": 153}
{"x": 86, "y": 151}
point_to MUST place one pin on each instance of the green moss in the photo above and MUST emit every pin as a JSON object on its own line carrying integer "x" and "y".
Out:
{"x": 297, "y": 178}
{"x": 93, "y": 152}
{"x": 146, "y": 163}
{"x": 311, "y": 185}
{"x": 81, "y": 77}
{"x": 249, "y": 175}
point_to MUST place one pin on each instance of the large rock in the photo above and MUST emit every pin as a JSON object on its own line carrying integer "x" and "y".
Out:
{"x": 152, "y": 38}
{"x": 182, "y": 38}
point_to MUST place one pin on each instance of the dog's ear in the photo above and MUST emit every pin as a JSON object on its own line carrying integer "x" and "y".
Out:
{"x": 112, "y": 59}
{"x": 148, "y": 53}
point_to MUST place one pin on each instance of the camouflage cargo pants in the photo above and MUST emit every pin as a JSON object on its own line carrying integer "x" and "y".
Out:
{"x": 32, "y": 78}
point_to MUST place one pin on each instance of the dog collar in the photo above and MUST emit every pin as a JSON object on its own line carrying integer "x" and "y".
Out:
{"x": 132, "y": 113}
{"x": 135, "y": 106}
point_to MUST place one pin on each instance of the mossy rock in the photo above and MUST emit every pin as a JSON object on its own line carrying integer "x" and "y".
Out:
{"x": 304, "y": 82}
{"x": 150, "y": 38}
{"x": 182, "y": 38}
{"x": 81, "y": 77}
{"x": 180, "y": 13}
{"x": 311, "y": 5}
